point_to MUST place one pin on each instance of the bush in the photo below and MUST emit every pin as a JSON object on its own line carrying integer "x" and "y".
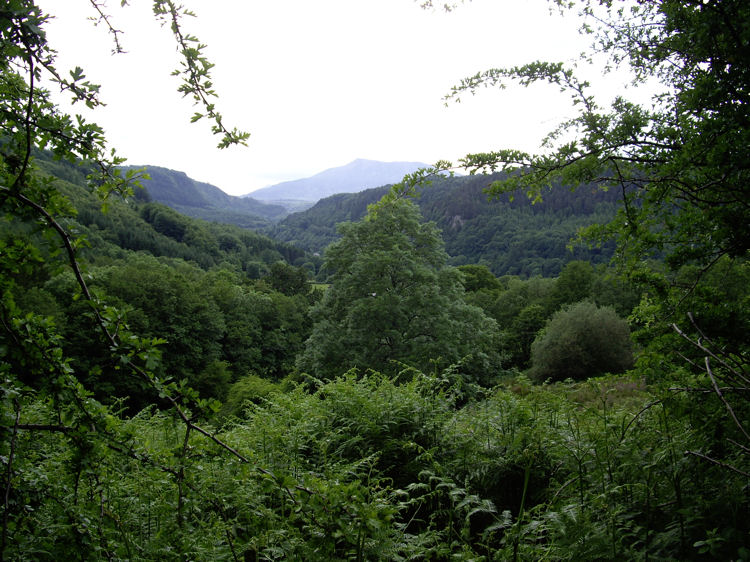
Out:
{"x": 250, "y": 388}
{"x": 581, "y": 341}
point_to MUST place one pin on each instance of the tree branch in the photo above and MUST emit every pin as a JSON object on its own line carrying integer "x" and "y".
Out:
{"x": 719, "y": 463}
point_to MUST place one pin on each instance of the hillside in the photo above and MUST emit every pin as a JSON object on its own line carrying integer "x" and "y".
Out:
{"x": 145, "y": 225}
{"x": 351, "y": 178}
{"x": 205, "y": 201}
{"x": 510, "y": 237}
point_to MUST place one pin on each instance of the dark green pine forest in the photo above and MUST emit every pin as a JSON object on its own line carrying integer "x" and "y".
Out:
{"x": 545, "y": 359}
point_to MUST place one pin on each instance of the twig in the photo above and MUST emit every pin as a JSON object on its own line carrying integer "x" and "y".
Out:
{"x": 740, "y": 445}
{"x": 110, "y": 28}
{"x": 724, "y": 400}
{"x": 719, "y": 463}
{"x": 635, "y": 417}
{"x": 699, "y": 345}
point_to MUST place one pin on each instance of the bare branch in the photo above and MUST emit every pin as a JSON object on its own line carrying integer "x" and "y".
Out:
{"x": 724, "y": 400}
{"x": 719, "y": 463}
{"x": 699, "y": 345}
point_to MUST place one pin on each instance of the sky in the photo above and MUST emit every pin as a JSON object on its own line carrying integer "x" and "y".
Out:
{"x": 318, "y": 84}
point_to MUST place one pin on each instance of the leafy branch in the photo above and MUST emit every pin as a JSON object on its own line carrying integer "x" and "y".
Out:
{"x": 195, "y": 73}
{"x": 104, "y": 18}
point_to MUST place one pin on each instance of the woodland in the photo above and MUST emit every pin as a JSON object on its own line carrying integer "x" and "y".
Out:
{"x": 507, "y": 235}
{"x": 178, "y": 389}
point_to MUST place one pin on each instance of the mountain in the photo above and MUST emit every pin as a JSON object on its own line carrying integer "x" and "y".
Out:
{"x": 351, "y": 178}
{"x": 509, "y": 236}
{"x": 208, "y": 202}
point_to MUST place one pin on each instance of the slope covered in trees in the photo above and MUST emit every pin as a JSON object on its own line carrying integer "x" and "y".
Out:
{"x": 225, "y": 301}
{"x": 206, "y": 201}
{"x": 145, "y": 225}
{"x": 509, "y": 236}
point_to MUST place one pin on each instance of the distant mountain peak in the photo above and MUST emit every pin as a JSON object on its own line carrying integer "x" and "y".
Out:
{"x": 356, "y": 176}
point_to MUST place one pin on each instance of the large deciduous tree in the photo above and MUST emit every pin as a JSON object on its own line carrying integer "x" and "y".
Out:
{"x": 393, "y": 301}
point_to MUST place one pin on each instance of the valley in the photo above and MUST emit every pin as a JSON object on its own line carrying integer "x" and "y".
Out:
{"x": 543, "y": 359}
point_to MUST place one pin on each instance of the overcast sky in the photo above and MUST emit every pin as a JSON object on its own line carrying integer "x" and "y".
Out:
{"x": 318, "y": 84}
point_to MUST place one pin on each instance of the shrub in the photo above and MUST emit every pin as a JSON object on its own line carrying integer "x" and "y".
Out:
{"x": 250, "y": 388}
{"x": 581, "y": 341}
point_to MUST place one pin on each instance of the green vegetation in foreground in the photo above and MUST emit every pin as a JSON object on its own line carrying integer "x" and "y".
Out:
{"x": 365, "y": 467}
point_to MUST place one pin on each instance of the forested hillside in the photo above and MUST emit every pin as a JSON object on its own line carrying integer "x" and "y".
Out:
{"x": 224, "y": 300}
{"x": 173, "y": 389}
{"x": 142, "y": 224}
{"x": 208, "y": 202}
{"x": 507, "y": 234}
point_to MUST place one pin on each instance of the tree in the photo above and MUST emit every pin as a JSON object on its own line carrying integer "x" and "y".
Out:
{"x": 394, "y": 302}
{"x": 287, "y": 279}
{"x": 573, "y": 284}
{"x": 581, "y": 341}
{"x": 169, "y": 303}
{"x": 38, "y": 236}
{"x": 677, "y": 164}
{"x": 524, "y": 330}
{"x": 680, "y": 164}
{"x": 478, "y": 277}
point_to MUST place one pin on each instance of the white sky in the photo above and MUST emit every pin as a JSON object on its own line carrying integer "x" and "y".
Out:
{"x": 318, "y": 84}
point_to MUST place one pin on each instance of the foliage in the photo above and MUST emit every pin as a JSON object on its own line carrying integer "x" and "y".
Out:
{"x": 424, "y": 465}
{"x": 477, "y": 277}
{"x": 385, "y": 471}
{"x": 675, "y": 164}
{"x": 143, "y": 225}
{"x": 64, "y": 451}
{"x": 216, "y": 327}
{"x": 573, "y": 285}
{"x": 394, "y": 302}
{"x": 678, "y": 166}
{"x": 522, "y": 307}
{"x": 248, "y": 389}
{"x": 287, "y": 279}
{"x": 502, "y": 233}
{"x": 195, "y": 72}
{"x": 581, "y": 341}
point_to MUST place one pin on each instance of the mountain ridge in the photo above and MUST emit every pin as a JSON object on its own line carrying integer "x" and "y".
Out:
{"x": 205, "y": 201}
{"x": 356, "y": 176}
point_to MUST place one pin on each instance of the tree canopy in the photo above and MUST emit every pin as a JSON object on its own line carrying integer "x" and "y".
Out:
{"x": 582, "y": 341}
{"x": 676, "y": 163}
{"x": 393, "y": 301}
